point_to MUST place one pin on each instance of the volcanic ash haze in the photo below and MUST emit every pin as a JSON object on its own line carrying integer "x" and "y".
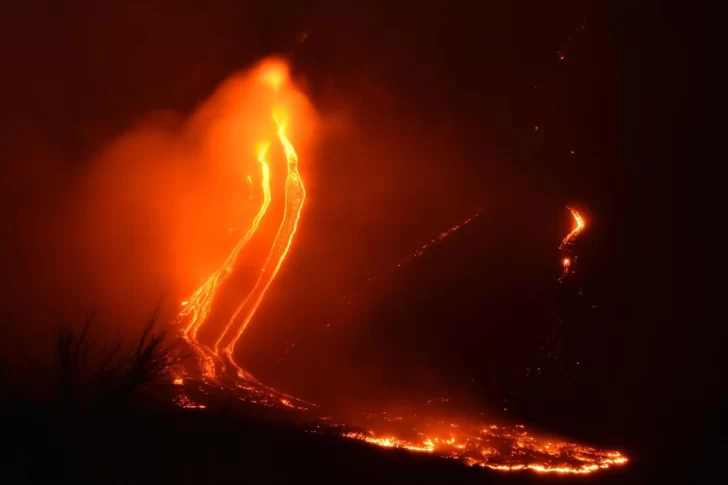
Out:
{"x": 162, "y": 205}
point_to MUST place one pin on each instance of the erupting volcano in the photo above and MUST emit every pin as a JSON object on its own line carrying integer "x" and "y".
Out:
{"x": 196, "y": 310}
{"x": 472, "y": 440}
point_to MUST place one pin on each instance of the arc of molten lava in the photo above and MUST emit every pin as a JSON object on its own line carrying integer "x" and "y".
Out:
{"x": 295, "y": 195}
{"x": 198, "y": 306}
{"x": 567, "y": 262}
{"x": 579, "y": 226}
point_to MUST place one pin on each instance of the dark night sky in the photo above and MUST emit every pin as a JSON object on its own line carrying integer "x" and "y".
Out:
{"x": 461, "y": 88}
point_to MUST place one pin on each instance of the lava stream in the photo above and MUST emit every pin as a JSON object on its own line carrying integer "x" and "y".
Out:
{"x": 295, "y": 196}
{"x": 503, "y": 448}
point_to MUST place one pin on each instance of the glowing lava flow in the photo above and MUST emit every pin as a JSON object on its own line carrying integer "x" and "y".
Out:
{"x": 196, "y": 310}
{"x": 295, "y": 196}
{"x": 392, "y": 442}
{"x": 197, "y": 307}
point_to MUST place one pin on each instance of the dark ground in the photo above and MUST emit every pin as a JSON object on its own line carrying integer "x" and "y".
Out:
{"x": 198, "y": 447}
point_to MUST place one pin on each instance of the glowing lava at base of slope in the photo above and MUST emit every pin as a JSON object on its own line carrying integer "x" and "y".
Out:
{"x": 499, "y": 448}
{"x": 417, "y": 253}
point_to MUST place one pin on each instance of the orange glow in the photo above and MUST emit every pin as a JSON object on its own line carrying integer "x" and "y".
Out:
{"x": 579, "y": 226}
{"x": 185, "y": 402}
{"x": 276, "y": 95}
{"x": 274, "y": 73}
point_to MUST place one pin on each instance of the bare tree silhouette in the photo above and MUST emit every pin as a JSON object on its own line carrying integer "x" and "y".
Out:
{"x": 106, "y": 376}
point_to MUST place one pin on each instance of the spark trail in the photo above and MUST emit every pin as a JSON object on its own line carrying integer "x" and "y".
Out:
{"x": 418, "y": 252}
